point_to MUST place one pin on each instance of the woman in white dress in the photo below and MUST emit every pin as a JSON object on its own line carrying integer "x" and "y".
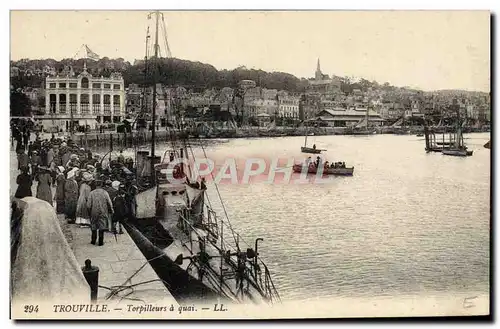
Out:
{"x": 82, "y": 211}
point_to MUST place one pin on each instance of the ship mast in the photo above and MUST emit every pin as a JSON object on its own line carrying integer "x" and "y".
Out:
{"x": 153, "y": 119}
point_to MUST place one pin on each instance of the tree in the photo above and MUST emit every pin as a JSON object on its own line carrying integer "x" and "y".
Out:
{"x": 20, "y": 104}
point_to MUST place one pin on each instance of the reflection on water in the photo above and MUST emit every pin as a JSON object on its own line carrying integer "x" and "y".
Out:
{"x": 406, "y": 223}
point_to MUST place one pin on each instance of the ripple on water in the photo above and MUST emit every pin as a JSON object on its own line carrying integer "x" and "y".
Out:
{"x": 406, "y": 223}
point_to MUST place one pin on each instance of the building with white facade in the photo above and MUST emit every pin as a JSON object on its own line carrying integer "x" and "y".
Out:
{"x": 87, "y": 99}
{"x": 351, "y": 117}
{"x": 288, "y": 106}
{"x": 256, "y": 107}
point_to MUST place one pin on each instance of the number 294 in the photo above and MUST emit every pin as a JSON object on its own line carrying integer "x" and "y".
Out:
{"x": 30, "y": 308}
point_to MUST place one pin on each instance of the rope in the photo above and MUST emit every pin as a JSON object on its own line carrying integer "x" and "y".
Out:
{"x": 164, "y": 28}
{"x": 222, "y": 203}
{"x": 117, "y": 289}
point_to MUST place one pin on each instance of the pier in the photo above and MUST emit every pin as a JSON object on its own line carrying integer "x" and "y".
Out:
{"x": 125, "y": 275}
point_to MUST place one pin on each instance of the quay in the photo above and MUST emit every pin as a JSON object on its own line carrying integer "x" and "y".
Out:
{"x": 138, "y": 138}
{"x": 125, "y": 275}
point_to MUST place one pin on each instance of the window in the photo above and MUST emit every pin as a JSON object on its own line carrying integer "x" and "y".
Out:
{"x": 96, "y": 99}
{"x": 116, "y": 100}
{"x": 52, "y": 85}
{"x": 96, "y": 86}
{"x": 52, "y": 102}
{"x": 107, "y": 86}
{"x": 73, "y": 85}
{"x": 85, "y": 82}
{"x": 62, "y": 103}
{"x": 62, "y": 85}
{"x": 72, "y": 102}
{"x": 84, "y": 103}
{"x": 107, "y": 99}
{"x": 116, "y": 87}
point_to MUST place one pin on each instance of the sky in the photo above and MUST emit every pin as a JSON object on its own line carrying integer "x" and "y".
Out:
{"x": 428, "y": 50}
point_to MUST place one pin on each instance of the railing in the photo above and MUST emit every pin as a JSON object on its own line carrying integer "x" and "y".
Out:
{"x": 96, "y": 108}
{"x": 62, "y": 108}
{"x": 107, "y": 109}
{"x": 84, "y": 108}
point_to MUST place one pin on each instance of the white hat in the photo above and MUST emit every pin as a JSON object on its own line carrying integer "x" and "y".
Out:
{"x": 87, "y": 177}
{"x": 61, "y": 168}
{"x": 72, "y": 173}
{"x": 116, "y": 185}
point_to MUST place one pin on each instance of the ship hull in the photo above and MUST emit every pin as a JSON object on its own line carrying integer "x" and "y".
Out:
{"x": 181, "y": 285}
{"x": 457, "y": 153}
{"x": 310, "y": 150}
{"x": 329, "y": 171}
{"x": 176, "y": 250}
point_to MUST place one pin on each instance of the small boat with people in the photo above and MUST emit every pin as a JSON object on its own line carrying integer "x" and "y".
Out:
{"x": 334, "y": 168}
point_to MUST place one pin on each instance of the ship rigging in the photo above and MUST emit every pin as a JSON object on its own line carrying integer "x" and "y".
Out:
{"x": 185, "y": 236}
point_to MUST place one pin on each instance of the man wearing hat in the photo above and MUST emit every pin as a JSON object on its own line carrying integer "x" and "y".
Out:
{"x": 101, "y": 208}
{"x": 120, "y": 207}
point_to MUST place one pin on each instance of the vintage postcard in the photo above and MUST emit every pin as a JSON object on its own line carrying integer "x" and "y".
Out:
{"x": 249, "y": 164}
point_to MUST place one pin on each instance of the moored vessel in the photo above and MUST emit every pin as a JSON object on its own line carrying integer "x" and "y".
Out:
{"x": 195, "y": 251}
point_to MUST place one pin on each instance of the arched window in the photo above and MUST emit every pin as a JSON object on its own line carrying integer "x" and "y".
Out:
{"x": 85, "y": 83}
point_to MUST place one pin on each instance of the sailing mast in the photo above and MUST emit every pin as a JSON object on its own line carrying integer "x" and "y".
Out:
{"x": 458, "y": 141}
{"x": 153, "y": 119}
{"x": 367, "y": 116}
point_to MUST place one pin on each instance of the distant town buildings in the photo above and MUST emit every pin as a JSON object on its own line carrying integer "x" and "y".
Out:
{"x": 99, "y": 96}
{"x": 351, "y": 117}
{"x": 323, "y": 83}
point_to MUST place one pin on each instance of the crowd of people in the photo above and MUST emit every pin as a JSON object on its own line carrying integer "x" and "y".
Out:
{"x": 90, "y": 191}
{"x": 319, "y": 162}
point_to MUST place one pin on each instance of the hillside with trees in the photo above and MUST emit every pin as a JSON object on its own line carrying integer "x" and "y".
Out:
{"x": 171, "y": 71}
{"x": 197, "y": 75}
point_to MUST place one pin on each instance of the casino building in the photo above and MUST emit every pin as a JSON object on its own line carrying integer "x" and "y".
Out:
{"x": 85, "y": 99}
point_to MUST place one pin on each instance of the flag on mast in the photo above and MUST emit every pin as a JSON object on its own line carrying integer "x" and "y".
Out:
{"x": 91, "y": 54}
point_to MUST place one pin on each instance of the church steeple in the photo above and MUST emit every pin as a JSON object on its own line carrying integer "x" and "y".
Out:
{"x": 319, "y": 75}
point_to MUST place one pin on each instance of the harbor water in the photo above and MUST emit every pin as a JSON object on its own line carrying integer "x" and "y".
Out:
{"x": 408, "y": 223}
